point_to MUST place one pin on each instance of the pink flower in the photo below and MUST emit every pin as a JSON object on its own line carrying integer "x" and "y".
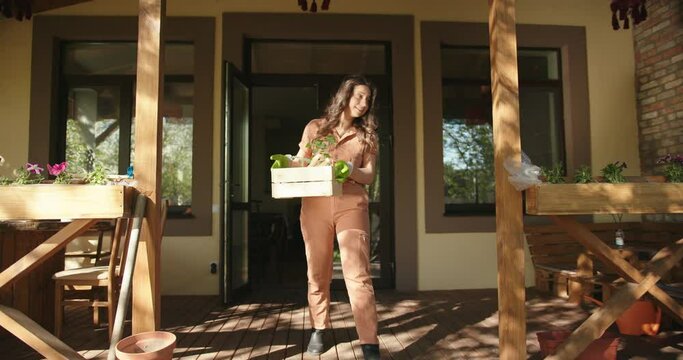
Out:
{"x": 56, "y": 169}
{"x": 34, "y": 168}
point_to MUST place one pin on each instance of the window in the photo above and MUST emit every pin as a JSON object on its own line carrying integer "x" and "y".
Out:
{"x": 467, "y": 133}
{"x": 100, "y": 81}
{"x": 99, "y": 69}
{"x": 458, "y": 159}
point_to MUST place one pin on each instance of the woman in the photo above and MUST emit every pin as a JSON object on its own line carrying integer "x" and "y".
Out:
{"x": 350, "y": 119}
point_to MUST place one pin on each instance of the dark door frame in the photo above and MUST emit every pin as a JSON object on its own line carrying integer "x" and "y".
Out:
{"x": 394, "y": 29}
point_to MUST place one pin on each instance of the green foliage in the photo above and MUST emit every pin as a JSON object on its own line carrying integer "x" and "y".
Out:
{"x": 673, "y": 172}
{"x": 64, "y": 177}
{"x": 553, "y": 175}
{"x": 613, "y": 172}
{"x": 673, "y": 167}
{"x": 78, "y": 154}
{"x": 176, "y": 171}
{"x": 24, "y": 177}
{"x": 468, "y": 162}
{"x": 4, "y": 180}
{"x": 583, "y": 175}
{"x": 98, "y": 175}
{"x": 322, "y": 145}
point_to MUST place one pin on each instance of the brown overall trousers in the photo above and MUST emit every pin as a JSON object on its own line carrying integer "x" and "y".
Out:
{"x": 347, "y": 217}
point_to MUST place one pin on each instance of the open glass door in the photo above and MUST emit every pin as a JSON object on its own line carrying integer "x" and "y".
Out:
{"x": 235, "y": 189}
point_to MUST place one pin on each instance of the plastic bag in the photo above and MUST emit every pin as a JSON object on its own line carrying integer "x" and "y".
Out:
{"x": 522, "y": 175}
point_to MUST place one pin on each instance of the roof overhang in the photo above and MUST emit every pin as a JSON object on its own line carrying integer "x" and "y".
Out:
{"x": 24, "y": 9}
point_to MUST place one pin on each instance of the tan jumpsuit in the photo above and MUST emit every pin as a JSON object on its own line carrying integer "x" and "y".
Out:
{"x": 347, "y": 217}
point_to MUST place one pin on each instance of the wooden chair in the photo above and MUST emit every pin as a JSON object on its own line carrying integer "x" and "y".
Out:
{"x": 96, "y": 278}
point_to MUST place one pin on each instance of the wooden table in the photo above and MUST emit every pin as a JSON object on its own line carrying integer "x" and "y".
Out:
{"x": 84, "y": 205}
{"x": 561, "y": 201}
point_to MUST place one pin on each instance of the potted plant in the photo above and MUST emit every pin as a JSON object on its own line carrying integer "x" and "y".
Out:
{"x": 613, "y": 172}
{"x": 673, "y": 167}
{"x": 583, "y": 175}
{"x": 554, "y": 174}
{"x": 613, "y": 196}
{"x": 29, "y": 194}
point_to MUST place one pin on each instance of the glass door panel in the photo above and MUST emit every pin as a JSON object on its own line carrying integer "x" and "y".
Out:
{"x": 235, "y": 191}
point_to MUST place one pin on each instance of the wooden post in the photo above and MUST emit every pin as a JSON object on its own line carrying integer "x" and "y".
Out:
{"x": 506, "y": 143}
{"x": 147, "y": 166}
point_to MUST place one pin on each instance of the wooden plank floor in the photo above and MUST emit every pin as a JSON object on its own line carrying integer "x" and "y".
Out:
{"x": 459, "y": 324}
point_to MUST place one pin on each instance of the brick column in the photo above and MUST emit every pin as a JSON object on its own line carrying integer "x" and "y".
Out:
{"x": 658, "y": 43}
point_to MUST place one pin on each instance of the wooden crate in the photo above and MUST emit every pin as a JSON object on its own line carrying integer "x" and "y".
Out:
{"x": 601, "y": 198}
{"x": 304, "y": 182}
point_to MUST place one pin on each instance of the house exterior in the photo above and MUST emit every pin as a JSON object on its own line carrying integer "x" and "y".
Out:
{"x": 593, "y": 108}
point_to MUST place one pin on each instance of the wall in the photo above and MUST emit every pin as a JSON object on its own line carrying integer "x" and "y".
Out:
{"x": 15, "y": 39}
{"x": 658, "y": 43}
{"x": 445, "y": 261}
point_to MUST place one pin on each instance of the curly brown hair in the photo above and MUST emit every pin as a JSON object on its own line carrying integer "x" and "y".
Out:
{"x": 366, "y": 125}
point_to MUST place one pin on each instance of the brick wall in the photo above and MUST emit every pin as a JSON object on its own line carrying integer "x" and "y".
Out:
{"x": 658, "y": 45}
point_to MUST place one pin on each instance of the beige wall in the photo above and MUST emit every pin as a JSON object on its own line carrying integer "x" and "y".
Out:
{"x": 15, "y": 39}
{"x": 445, "y": 261}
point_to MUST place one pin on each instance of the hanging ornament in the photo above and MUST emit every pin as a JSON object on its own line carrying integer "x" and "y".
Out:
{"x": 303, "y": 4}
{"x": 622, "y": 9}
{"x": 18, "y": 9}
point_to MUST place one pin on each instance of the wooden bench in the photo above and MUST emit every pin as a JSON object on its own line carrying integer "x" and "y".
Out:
{"x": 557, "y": 257}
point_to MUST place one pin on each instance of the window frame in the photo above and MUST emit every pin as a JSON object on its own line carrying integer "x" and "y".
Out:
{"x": 489, "y": 209}
{"x": 127, "y": 85}
{"x": 571, "y": 40}
{"x": 44, "y": 129}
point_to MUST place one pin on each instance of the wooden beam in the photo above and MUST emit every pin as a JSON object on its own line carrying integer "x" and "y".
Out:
{"x": 667, "y": 256}
{"x": 604, "y": 317}
{"x": 35, "y": 336}
{"x": 506, "y": 143}
{"x": 43, "y": 251}
{"x": 148, "y": 101}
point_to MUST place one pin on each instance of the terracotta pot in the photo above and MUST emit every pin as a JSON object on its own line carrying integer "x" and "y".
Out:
{"x": 642, "y": 318}
{"x": 153, "y": 345}
{"x": 603, "y": 348}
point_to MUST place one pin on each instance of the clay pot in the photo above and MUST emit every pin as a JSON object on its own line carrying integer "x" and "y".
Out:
{"x": 603, "y": 348}
{"x": 642, "y": 318}
{"x": 153, "y": 345}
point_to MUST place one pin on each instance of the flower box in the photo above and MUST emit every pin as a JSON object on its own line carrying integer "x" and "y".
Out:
{"x": 69, "y": 201}
{"x": 603, "y": 198}
{"x": 304, "y": 182}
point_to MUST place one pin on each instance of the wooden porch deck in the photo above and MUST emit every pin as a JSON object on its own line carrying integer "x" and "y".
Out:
{"x": 459, "y": 324}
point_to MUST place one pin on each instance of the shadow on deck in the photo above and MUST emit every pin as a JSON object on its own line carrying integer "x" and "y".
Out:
{"x": 461, "y": 324}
